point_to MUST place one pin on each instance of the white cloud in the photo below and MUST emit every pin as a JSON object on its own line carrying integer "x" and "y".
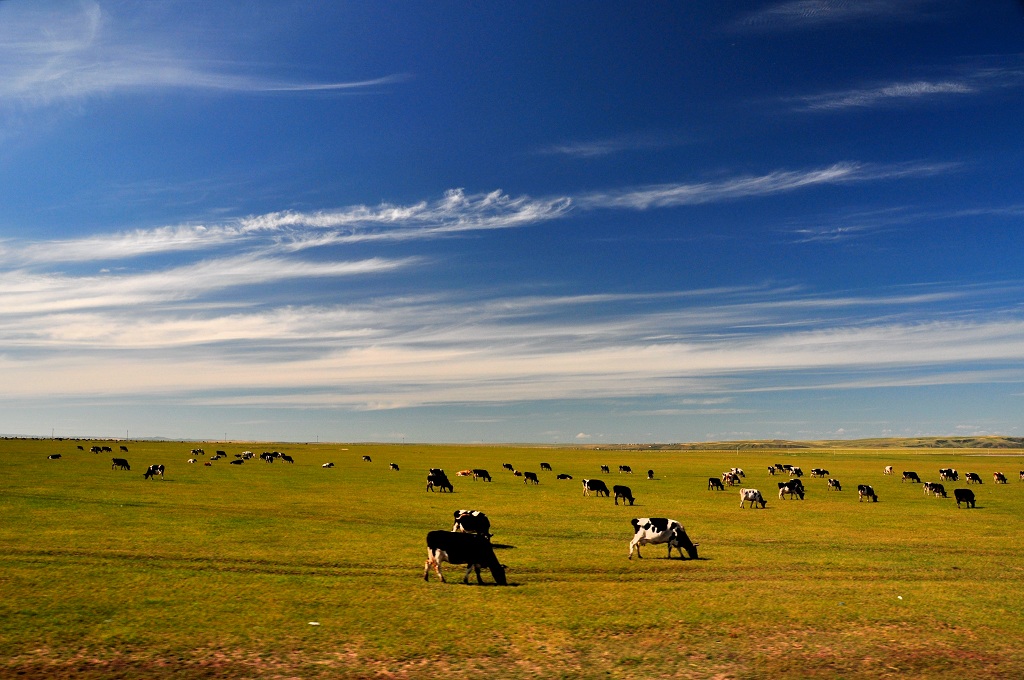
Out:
{"x": 893, "y": 93}
{"x": 810, "y": 14}
{"x": 52, "y": 53}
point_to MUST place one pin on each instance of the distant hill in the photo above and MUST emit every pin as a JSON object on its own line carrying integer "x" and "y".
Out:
{"x": 883, "y": 443}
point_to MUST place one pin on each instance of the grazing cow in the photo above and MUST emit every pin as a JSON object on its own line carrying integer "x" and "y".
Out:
{"x": 623, "y": 492}
{"x": 714, "y": 483}
{"x": 472, "y": 522}
{"x": 464, "y": 473}
{"x": 835, "y": 485}
{"x": 819, "y": 472}
{"x": 604, "y": 468}
{"x": 595, "y": 485}
{"x": 737, "y": 471}
{"x": 153, "y": 471}
{"x": 480, "y": 473}
{"x": 457, "y": 548}
{"x": 730, "y": 478}
{"x": 752, "y": 495}
{"x": 771, "y": 469}
{"x": 564, "y": 476}
{"x": 81, "y": 448}
{"x": 108, "y": 449}
{"x": 367, "y": 459}
{"x": 794, "y": 471}
{"x": 545, "y": 466}
{"x": 221, "y": 453}
{"x": 973, "y": 478}
{"x": 125, "y": 449}
{"x": 650, "y": 474}
{"x": 910, "y": 476}
{"x": 393, "y": 466}
{"x": 95, "y": 449}
{"x": 437, "y": 477}
{"x": 888, "y": 470}
{"x": 964, "y": 496}
{"x": 936, "y": 489}
{"x": 530, "y": 477}
{"x": 327, "y": 465}
{"x": 208, "y": 464}
{"x": 120, "y": 463}
{"x": 192, "y": 460}
{"x": 267, "y": 456}
{"x": 507, "y": 466}
{"x": 517, "y": 473}
{"x": 791, "y": 489}
{"x": 198, "y": 452}
{"x": 780, "y": 467}
{"x": 657, "y": 530}
{"x": 53, "y": 456}
{"x": 865, "y": 491}
{"x": 949, "y": 475}
{"x": 239, "y": 461}
{"x": 625, "y": 468}
{"x": 998, "y": 478}
{"x": 286, "y": 458}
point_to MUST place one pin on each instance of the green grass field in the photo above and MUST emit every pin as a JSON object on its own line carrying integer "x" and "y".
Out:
{"x": 217, "y": 572}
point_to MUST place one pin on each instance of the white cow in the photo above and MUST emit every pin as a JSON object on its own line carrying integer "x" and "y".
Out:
{"x": 888, "y": 469}
{"x": 658, "y": 530}
{"x": 752, "y": 495}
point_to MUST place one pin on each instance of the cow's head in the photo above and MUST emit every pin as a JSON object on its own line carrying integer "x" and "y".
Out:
{"x": 683, "y": 541}
{"x": 498, "y": 572}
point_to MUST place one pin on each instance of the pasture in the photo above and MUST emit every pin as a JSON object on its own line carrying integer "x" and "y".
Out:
{"x": 221, "y": 571}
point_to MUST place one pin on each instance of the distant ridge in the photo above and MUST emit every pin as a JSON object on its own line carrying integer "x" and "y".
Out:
{"x": 882, "y": 443}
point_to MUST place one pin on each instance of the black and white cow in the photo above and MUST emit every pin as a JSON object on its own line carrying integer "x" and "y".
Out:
{"x": 457, "y": 548}
{"x": 564, "y": 476}
{"x": 730, "y": 478}
{"x": 715, "y": 484}
{"x": 530, "y": 477}
{"x": 393, "y": 467}
{"x": 964, "y": 496}
{"x": 241, "y": 461}
{"x": 934, "y": 488}
{"x": 753, "y": 496}
{"x": 865, "y": 491}
{"x": 367, "y": 459}
{"x": 771, "y": 470}
{"x": 888, "y": 470}
{"x": 998, "y": 478}
{"x": 949, "y": 475}
{"x": 738, "y": 472}
{"x": 545, "y": 466}
{"x": 595, "y": 485}
{"x": 120, "y": 464}
{"x": 910, "y": 477}
{"x": 791, "y": 489}
{"x": 286, "y": 458}
{"x": 819, "y": 472}
{"x": 835, "y": 485}
{"x": 794, "y": 471}
{"x": 472, "y": 522}
{"x": 604, "y": 468}
{"x": 623, "y": 492}
{"x": 657, "y": 530}
{"x": 480, "y": 473}
{"x": 650, "y": 474}
{"x": 437, "y": 478}
{"x": 973, "y": 478}
{"x": 54, "y": 456}
{"x": 124, "y": 449}
{"x": 327, "y": 465}
{"x": 625, "y": 468}
{"x": 507, "y": 466}
{"x": 153, "y": 471}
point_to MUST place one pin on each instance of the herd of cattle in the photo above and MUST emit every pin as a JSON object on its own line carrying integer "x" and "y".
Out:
{"x": 469, "y": 541}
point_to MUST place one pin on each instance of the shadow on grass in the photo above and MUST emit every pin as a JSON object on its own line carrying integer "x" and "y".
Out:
{"x": 502, "y": 546}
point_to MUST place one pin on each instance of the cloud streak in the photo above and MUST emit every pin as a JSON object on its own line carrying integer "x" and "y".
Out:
{"x": 50, "y": 55}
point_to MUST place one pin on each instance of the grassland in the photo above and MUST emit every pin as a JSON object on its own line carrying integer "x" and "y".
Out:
{"x": 218, "y": 572}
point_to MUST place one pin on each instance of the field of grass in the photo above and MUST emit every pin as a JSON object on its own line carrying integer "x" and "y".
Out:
{"x": 220, "y": 571}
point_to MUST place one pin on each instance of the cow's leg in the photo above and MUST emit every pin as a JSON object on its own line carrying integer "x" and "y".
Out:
{"x": 635, "y": 545}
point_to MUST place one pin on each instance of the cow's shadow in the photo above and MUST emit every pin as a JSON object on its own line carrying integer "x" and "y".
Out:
{"x": 502, "y": 546}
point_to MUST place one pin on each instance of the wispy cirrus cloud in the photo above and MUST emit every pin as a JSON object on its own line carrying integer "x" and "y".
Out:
{"x": 598, "y": 148}
{"x": 782, "y": 181}
{"x": 49, "y": 54}
{"x": 810, "y": 14}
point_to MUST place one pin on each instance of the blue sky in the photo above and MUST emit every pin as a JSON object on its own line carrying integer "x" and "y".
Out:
{"x": 535, "y": 222}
